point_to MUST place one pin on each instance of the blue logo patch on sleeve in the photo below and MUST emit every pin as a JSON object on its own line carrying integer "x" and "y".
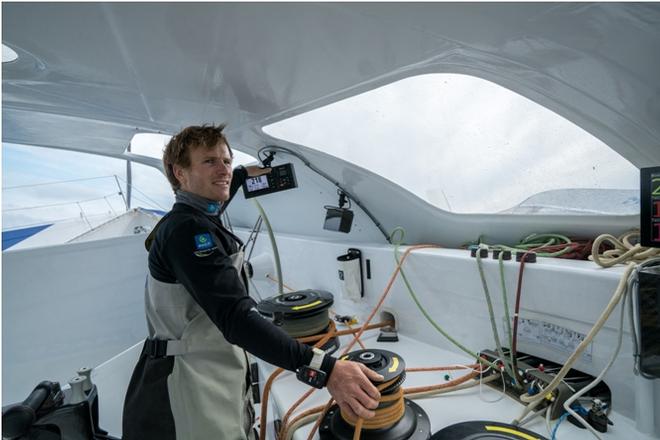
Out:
{"x": 203, "y": 241}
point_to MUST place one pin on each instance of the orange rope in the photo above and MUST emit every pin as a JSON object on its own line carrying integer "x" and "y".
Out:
{"x": 323, "y": 409}
{"x": 450, "y": 383}
{"x": 375, "y": 309}
{"x": 385, "y": 416}
{"x": 387, "y": 291}
{"x": 296, "y": 404}
{"x": 271, "y": 379}
{"x": 344, "y": 332}
{"x": 302, "y": 415}
{"x": 308, "y": 393}
{"x": 359, "y": 341}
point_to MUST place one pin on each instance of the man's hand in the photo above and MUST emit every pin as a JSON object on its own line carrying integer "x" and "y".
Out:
{"x": 254, "y": 170}
{"x": 351, "y": 388}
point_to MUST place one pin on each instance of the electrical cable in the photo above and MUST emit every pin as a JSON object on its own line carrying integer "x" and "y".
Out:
{"x": 331, "y": 180}
{"x": 503, "y": 388}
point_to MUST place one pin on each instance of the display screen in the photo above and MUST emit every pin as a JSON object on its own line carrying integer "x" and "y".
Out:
{"x": 338, "y": 219}
{"x": 257, "y": 183}
{"x": 655, "y": 207}
{"x": 332, "y": 221}
{"x": 650, "y": 207}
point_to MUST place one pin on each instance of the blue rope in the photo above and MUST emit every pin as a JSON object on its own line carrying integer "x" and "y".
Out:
{"x": 554, "y": 430}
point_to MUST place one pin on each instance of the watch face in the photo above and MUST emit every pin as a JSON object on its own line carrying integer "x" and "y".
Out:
{"x": 312, "y": 377}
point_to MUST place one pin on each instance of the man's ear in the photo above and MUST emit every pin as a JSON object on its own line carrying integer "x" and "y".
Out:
{"x": 178, "y": 173}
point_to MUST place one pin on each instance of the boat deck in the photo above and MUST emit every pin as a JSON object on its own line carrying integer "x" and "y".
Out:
{"x": 476, "y": 403}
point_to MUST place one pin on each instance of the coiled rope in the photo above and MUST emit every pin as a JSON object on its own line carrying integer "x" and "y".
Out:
{"x": 624, "y": 250}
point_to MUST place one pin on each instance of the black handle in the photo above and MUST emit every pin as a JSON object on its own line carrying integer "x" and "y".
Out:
{"x": 17, "y": 419}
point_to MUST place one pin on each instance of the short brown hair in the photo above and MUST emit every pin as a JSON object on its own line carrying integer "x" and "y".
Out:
{"x": 177, "y": 150}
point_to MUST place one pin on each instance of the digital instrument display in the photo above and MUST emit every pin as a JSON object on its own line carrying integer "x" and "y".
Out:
{"x": 256, "y": 183}
{"x": 650, "y": 207}
{"x": 280, "y": 178}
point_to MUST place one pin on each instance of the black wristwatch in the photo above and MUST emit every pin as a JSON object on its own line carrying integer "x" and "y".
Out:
{"x": 312, "y": 374}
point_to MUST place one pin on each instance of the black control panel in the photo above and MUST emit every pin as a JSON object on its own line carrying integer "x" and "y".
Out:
{"x": 648, "y": 308}
{"x": 281, "y": 177}
{"x": 649, "y": 194}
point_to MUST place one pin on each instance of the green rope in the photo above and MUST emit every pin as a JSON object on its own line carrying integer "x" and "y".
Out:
{"x": 506, "y": 311}
{"x": 534, "y": 241}
{"x": 397, "y": 244}
{"x": 493, "y": 324}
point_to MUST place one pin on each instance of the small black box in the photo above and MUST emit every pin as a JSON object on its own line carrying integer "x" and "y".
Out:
{"x": 338, "y": 219}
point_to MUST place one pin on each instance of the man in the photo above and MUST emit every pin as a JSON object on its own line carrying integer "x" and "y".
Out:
{"x": 191, "y": 381}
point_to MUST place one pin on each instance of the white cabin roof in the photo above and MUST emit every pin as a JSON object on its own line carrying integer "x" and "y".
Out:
{"x": 89, "y": 75}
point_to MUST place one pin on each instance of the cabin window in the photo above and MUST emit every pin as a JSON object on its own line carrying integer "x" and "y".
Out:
{"x": 45, "y": 185}
{"x": 467, "y": 145}
{"x": 8, "y": 54}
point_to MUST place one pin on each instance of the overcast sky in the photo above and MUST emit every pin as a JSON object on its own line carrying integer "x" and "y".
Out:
{"x": 461, "y": 143}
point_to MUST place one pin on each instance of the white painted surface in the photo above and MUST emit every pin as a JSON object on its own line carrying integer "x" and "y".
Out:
{"x": 68, "y": 306}
{"x": 133, "y": 222}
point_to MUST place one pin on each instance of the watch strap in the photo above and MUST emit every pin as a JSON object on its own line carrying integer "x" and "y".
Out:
{"x": 317, "y": 358}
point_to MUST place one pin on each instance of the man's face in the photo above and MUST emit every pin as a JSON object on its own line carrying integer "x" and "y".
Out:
{"x": 209, "y": 173}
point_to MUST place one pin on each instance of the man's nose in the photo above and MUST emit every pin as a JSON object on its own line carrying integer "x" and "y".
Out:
{"x": 224, "y": 167}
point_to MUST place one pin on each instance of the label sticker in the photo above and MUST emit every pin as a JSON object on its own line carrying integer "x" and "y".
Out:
{"x": 203, "y": 242}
